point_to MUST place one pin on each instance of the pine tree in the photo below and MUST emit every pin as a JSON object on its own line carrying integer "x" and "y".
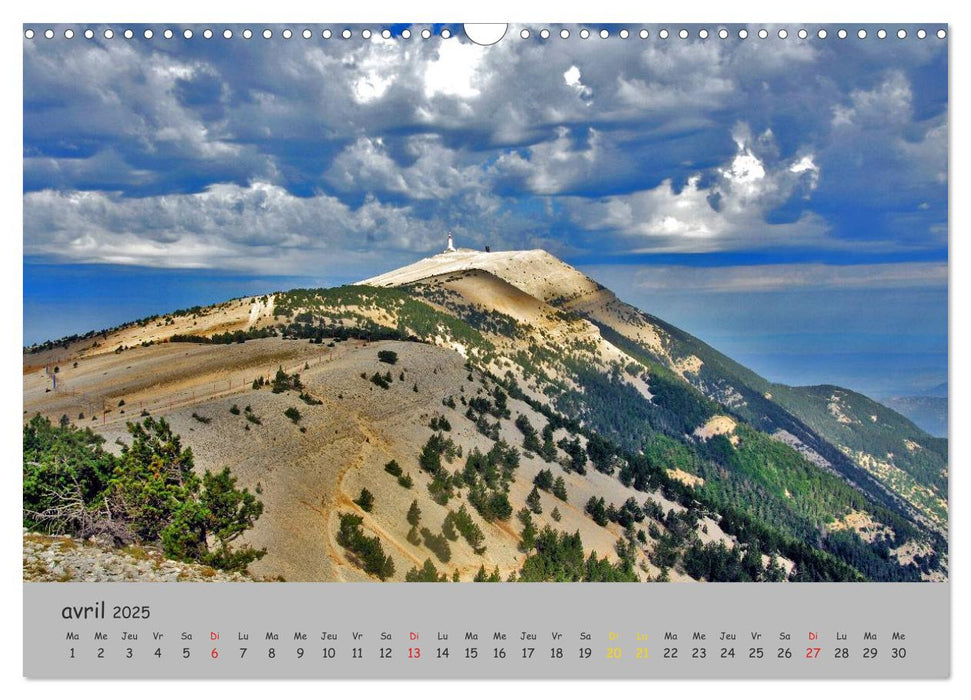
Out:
{"x": 559, "y": 488}
{"x": 528, "y": 541}
{"x": 555, "y": 514}
{"x": 533, "y": 501}
{"x": 365, "y": 500}
{"x": 427, "y": 573}
{"x": 544, "y": 479}
{"x": 414, "y": 514}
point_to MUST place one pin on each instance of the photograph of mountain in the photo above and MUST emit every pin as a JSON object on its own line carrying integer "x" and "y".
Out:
{"x": 622, "y": 306}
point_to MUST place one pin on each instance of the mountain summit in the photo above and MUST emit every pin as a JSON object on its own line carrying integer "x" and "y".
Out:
{"x": 488, "y": 415}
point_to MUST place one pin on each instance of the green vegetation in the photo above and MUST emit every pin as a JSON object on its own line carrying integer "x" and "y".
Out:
{"x": 469, "y": 530}
{"x": 367, "y": 551}
{"x": 865, "y": 426}
{"x": 293, "y": 414}
{"x": 388, "y": 356}
{"x": 440, "y": 423}
{"x": 531, "y": 441}
{"x": 576, "y": 453}
{"x": 747, "y": 487}
{"x": 597, "y": 510}
{"x": 150, "y": 494}
{"x": 533, "y": 501}
{"x": 393, "y": 468}
{"x": 227, "y": 338}
{"x": 310, "y": 400}
{"x": 482, "y": 577}
{"x": 414, "y": 514}
{"x": 527, "y": 538}
{"x": 543, "y": 480}
{"x": 559, "y": 557}
{"x": 381, "y": 380}
{"x": 488, "y": 477}
{"x": 283, "y": 382}
{"x": 477, "y": 316}
{"x": 426, "y": 574}
{"x": 365, "y": 500}
{"x": 339, "y": 313}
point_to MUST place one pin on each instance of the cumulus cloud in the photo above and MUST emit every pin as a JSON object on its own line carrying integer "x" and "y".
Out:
{"x": 260, "y": 227}
{"x": 724, "y": 211}
{"x": 617, "y": 146}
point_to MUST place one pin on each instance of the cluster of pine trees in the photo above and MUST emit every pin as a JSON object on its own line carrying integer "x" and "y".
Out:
{"x": 150, "y": 494}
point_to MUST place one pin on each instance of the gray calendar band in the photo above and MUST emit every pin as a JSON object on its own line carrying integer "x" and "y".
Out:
{"x": 630, "y": 630}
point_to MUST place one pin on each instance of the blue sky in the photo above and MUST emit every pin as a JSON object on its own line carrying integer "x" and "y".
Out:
{"x": 785, "y": 200}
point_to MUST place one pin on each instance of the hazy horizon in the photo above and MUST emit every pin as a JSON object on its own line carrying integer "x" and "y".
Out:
{"x": 783, "y": 200}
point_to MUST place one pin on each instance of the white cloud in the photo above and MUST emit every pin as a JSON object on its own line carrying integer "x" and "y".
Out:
{"x": 572, "y": 78}
{"x": 456, "y": 70}
{"x": 890, "y": 102}
{"x": 550, "y": 167}
{"x": 726, "y": 213}
{"x": 457, "y": 135}
{"x": 261, "y": 227}
{"x": 434, "y": 173}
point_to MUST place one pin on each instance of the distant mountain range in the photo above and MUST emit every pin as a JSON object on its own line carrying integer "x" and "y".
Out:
{"x": 542, "y": 428}
{"x": 928, "y": 409}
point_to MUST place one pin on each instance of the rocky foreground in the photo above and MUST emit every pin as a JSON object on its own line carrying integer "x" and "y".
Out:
{"x": 63, "y": 558}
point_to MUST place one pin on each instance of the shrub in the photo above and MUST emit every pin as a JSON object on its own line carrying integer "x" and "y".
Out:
{"x": 482, "y": 577}
{"x": 365, "y": 500}
{"x": 367, "y": 550}
{"x": 388, "y": 356}
{"x": 293, "y": 414}
{"x": 440, "y": 423}
{"x": 393, "y": 468}
{"x": 309, "y": 400}
{"x": 426, "y": 574}
{"x": 149, "y": 494}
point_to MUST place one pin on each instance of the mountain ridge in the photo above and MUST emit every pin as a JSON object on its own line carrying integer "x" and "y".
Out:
{"x": 627, "y": 404}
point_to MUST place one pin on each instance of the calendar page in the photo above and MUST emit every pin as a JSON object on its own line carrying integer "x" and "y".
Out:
{"x": 466, "y": 351}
